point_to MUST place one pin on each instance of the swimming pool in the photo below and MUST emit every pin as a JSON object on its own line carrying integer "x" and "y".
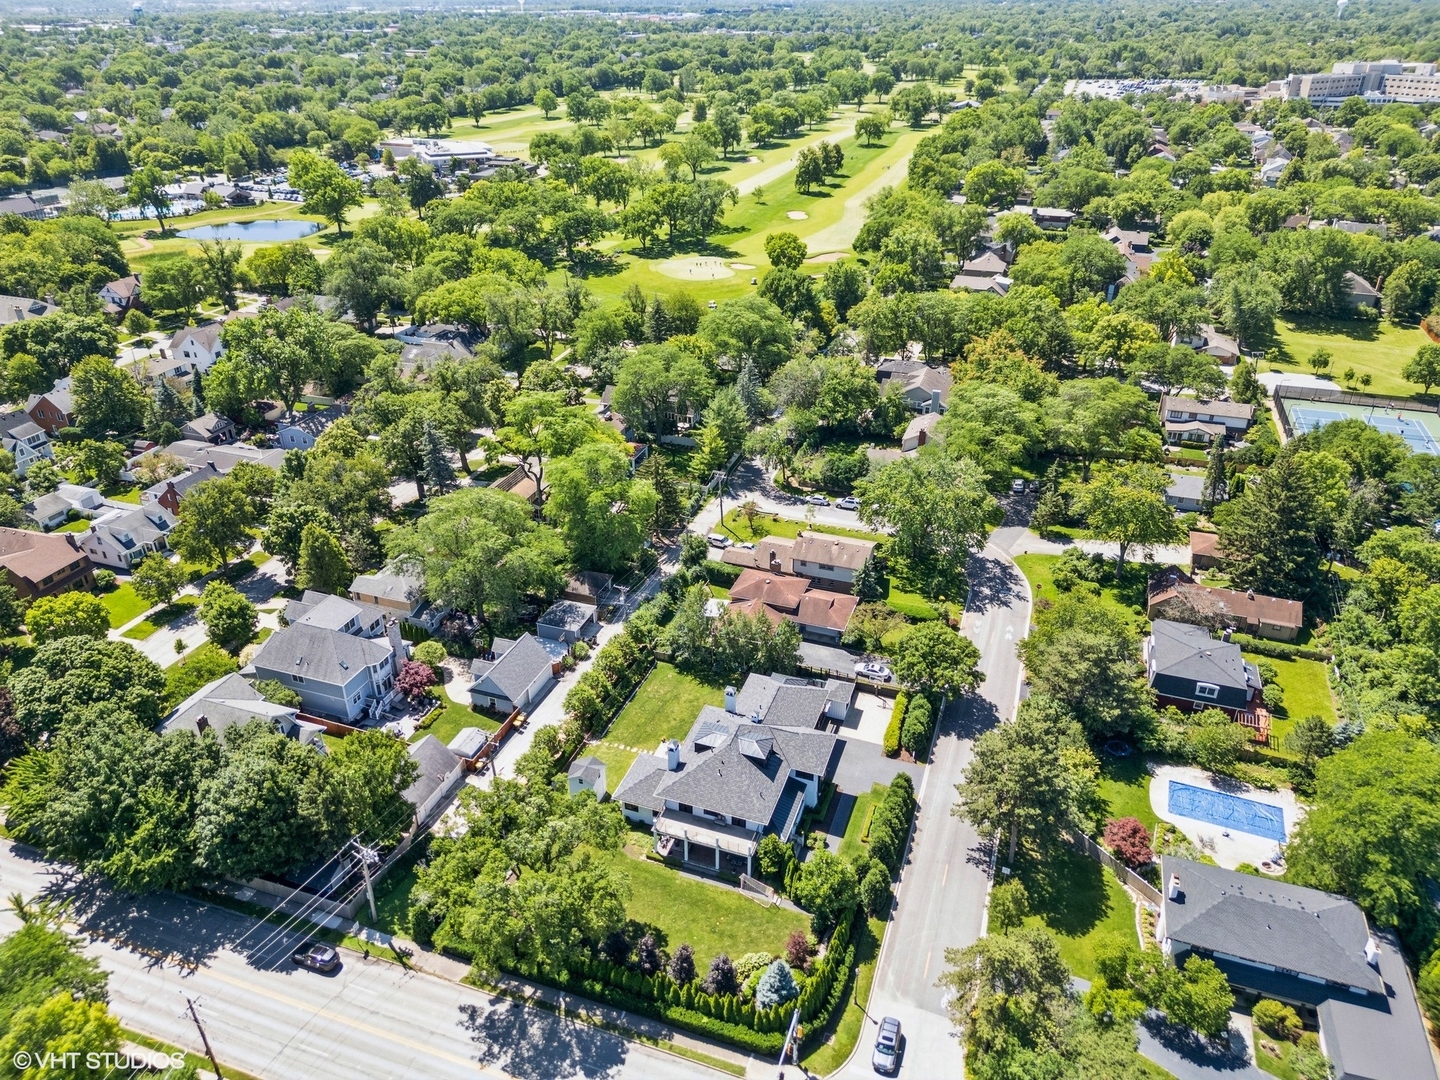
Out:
{"x": 1227, "y": 811}
{"x": 262, "y": 231}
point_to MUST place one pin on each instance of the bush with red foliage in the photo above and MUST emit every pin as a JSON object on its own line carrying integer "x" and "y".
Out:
{"x": 797, "y": 949}
{"x": 1129, "y": 839}
{"x": 414, "y": 678}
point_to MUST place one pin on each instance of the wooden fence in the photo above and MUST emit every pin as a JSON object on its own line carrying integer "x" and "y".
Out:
{"x": 1084, "y": 844}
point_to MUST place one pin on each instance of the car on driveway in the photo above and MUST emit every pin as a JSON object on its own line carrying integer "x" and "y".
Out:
{"x": 718, "y": 540}
{"x": 886, "y": 1058}
{"x": 1017, "y": 487}
{"x": 817, "y": 500}
{"x": 849, "y": 502}
{"x": 869, "y": 669}
{"x": 317, "y": 956}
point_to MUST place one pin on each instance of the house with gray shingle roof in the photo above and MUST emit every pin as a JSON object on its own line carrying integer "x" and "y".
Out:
{"x": 122, "y": 536}
{"x": 567, "y": 621}
{"x": 402, "y": 593}
{"x": 336, "y": 674}
{"x": 742, "y": 771}
{"x": 1312, "y": 950}
{"x": 1191, "y": 670}
{"x": 519, "y": 675}
{"x": 230, "y": 701}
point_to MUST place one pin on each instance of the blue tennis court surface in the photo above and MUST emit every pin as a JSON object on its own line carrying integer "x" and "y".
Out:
{"x": 1227, "y": 811}
{"x": 1305, "y": 418}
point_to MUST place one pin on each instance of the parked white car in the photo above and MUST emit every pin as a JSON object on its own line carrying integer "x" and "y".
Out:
{"x": 869, "y": 669}
{"x": 849, "y": 502}
{"x": 817, "y": 500}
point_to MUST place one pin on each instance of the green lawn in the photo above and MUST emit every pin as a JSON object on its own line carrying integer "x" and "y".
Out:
{"x": 1125, "y": 787}
{"x": 842, "y": 1034}
{"x": 736, "y": 526}
{"x": 910, "y": 604}
{"x": 164, "y": 617}
{"x": 712, "y": 918}
{"x": 1128, "y": 595}
{"x": 1307, "y": 693}
{"x": 79, "y": 525}
{"x": 1379, "y": 349}
{"x": 852, "y": 843}
{"x": 123, "y": 604}
{"x": 455, "y": 717}
{"x": 663, "y": 708}
{"x": 392, "y": 894}
{"x": 617, "y": 759}
{"x": 1080, "y": 902}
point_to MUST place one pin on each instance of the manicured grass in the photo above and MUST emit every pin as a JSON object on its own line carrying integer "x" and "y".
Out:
{"x": 617, "y": 761}
{"x": 455, "y": 717}
{"x": 1379, "y": 349}
{"x": 164, "y": 617}
{"x": 1128, "y": 595}
{"x": 1268, "y": 1062}
{"x": 663, "y": 708}
{"x": 392, "y": 894}
{"x": 1307, "y": 693}
{"x": 79, "y": 525}
{"x": 720, "y": 592}
{"x": 844, "y": 1033}
{"x": 851, "y": 843}
{"x": 736, "y": 526}
{"x": 1080, "y": 902}
{"x": 1125, "y": 787}
{"x": 123, "y": 605}
{"x": 910, "y": 604}
{"x": 126, "y": 494}
{"x": 712, "y": 918}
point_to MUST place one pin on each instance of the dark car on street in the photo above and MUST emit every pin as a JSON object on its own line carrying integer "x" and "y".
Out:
{"x": 886, "y": 1058}
{"x": 317, "y": 956}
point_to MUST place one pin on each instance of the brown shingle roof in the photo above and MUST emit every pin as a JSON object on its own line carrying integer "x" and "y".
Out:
{"x": 839, "y": 551}
{"x": 35, "y": 556}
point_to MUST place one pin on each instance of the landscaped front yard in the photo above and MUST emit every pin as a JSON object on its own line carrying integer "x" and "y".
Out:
{"x": 1079, "y": 901}
{"x": 853, "y": 843}
{"x": 1128, "y": 594}
{"x": 738, "y": 527}
{"x": 164, "y": 617}
{"x": 712, "y": 918}
{"x": 123, "y": 604}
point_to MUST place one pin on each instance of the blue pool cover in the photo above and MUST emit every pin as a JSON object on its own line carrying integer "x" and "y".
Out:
{"x": 1227, "y": 811}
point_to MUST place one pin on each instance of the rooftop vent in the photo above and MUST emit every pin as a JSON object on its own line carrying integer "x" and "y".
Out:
{"x": 1372, "y": 953}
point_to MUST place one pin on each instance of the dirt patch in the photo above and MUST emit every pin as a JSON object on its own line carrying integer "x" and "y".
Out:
{"x": 741, "y": 266}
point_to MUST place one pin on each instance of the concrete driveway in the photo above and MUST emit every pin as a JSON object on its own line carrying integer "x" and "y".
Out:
{"x": 861, "y": 765}
{"x": 868, "y": 718}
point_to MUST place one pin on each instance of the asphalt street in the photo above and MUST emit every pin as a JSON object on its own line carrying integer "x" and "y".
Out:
{"x": 272, "y": 1020}
{"x": 946, "y": 879}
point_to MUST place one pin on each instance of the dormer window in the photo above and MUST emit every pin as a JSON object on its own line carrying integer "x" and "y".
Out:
{"x": 1207, "y": 690}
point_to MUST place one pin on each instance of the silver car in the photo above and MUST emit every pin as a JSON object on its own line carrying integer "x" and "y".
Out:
{"x": 886, "y": 1058}
{"x": 849, "y": 502}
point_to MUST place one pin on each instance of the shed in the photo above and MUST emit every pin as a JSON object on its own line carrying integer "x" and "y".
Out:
{"x": 588, "y": 774}
{"x": 469, "y": 742}
{"x": 567, "y": 621}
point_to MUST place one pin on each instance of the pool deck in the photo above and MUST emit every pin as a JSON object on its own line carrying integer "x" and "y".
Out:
{"x": 1238, "y": 847}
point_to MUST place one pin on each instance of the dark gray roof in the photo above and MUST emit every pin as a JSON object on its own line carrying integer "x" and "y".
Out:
{"x": 1269, "y": 922}
{"x": 323, "y": 655}
{"x": 224, "y": 703}
{"x": 513, "y": 673}
{"x": 436, "y": 763}
{"x": 588, "y": 768}
{"x": 1368, "y": 1037}
{"x": 729, "y": 765}
{"x": 782, "y": 699}
{"x": 391, "y": 584}
{"x": 331, "y": 612}
{"x": 1189, "y": 652}
{"x": 567, "y": 614}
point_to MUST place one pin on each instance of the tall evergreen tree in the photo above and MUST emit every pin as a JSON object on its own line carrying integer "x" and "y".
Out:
{"x": 668, "y": 508}
{"x": 750, "y": 391}
{"x": 197, "y": 392}
{"x": 439, "y": 473}
{"x": 1269, "y": 533}
{"x": 1217, "y": 481}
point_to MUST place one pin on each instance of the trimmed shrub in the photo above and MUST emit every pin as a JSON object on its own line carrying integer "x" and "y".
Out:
{"x": 918, "y": 726}
{"x": 891, "y": 742}
{"x": 1276, "y": 1020}
{"x": 1279, "y": 650}
{"x": 875, "y": 892}
{"x": 682, "y": 965}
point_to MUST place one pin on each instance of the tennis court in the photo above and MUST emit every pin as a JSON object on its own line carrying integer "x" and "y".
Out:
{"x": 1420, "y": 430}
{"x": 1227, "y": 811}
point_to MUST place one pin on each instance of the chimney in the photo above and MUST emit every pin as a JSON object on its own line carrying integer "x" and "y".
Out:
{"x": 1225, "y": 634}
{"x": 730, "y": 699}
{"x": 671, "y": 749}
{"x": 202, "y": 725}
{"x": 1250, "y": 594}
{"x": 1372, "y": 953}
{"x": 1173, "y": 892}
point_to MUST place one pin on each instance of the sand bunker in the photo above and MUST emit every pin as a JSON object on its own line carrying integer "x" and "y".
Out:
{"x": 699, "y": 268}
{"x": 797, "y": 215}
{"x": 741, "y": 266}
{"x": 828, "y": 257}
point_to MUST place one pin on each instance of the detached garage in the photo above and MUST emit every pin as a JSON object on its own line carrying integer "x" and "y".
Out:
{"x": 521, "y": 673}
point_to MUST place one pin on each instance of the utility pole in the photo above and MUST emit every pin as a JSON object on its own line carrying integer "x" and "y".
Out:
{"x": 366, "y": 854}
{"x": 190, "y": 1002}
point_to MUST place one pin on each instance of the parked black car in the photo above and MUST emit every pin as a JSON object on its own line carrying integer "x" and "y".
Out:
{"x": 317, "y": 956}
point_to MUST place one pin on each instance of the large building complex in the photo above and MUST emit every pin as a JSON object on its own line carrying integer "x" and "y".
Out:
{"x": 1378, "y": 81}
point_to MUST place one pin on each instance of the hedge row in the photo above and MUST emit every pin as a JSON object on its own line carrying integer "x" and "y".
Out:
{"x": 890, "y": 822}
{"x": 891, "y": 742}
{"x": 620, "y": 666}
{"x": 721, "y": 1016}
{"x": 1279, "y": 650}
{"x": 719, "y": 573}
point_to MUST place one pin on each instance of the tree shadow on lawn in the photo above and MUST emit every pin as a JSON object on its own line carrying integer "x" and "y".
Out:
{"x": 1066, "y": 889}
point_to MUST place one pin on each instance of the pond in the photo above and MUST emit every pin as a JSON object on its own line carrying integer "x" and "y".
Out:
{"x": 253, "y": 231}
